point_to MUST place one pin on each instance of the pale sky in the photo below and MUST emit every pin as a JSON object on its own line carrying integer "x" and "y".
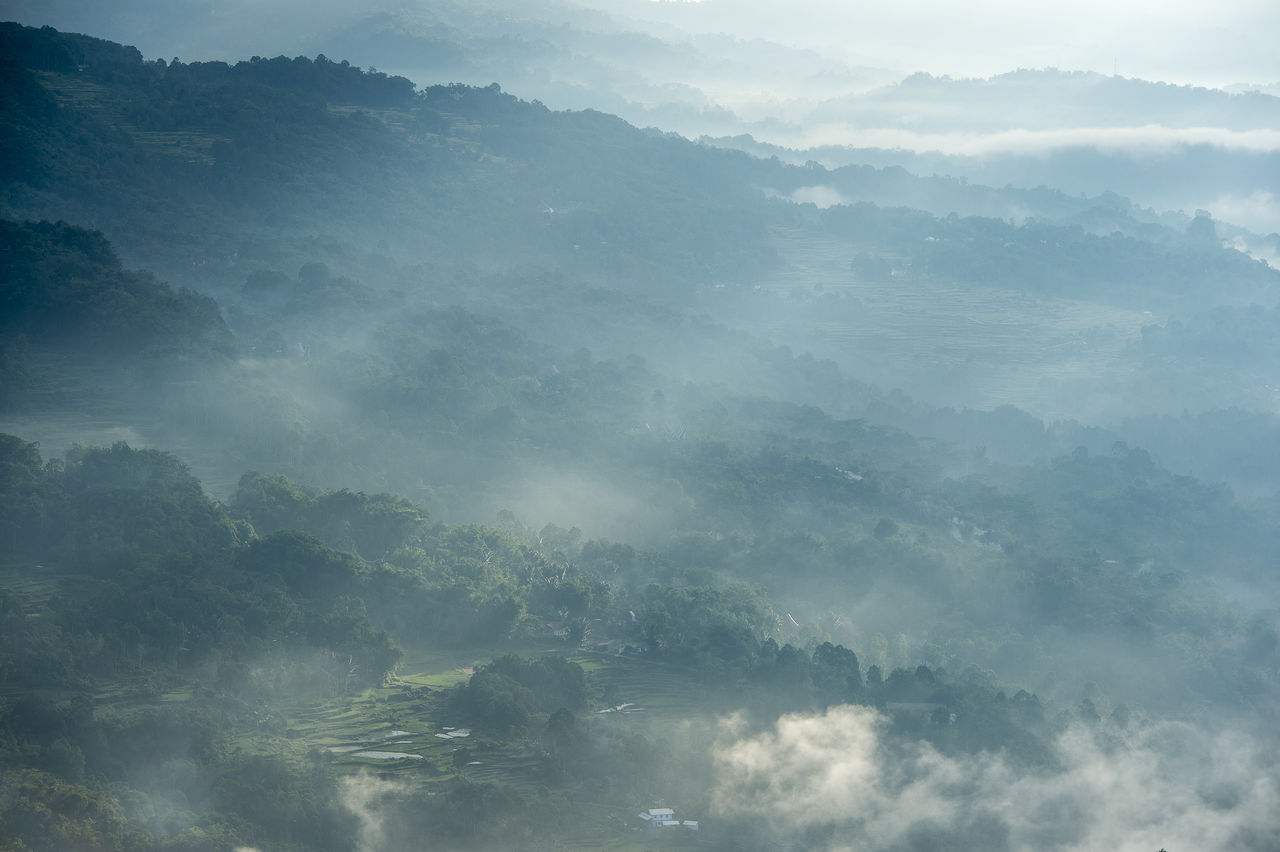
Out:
{"x": 1205, "y": 42}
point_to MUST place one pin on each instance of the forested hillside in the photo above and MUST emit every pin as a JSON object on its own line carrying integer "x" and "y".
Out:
{"x": 392, "y": 468}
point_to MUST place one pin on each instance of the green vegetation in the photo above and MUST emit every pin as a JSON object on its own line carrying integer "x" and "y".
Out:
{"x": 155, "y": 616}
{"x": 455, "y": 509}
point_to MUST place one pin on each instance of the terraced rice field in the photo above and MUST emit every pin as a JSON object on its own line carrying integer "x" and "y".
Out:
{"x": 405, "y": 730}
{"x": 191, "y": 147}
{"x": 74, "y": 92}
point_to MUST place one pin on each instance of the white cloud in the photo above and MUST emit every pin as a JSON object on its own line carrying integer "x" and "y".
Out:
{"x": 820, "y": 196}
{"x": 1145, "y": 139}
{"x": 839, "y": 777}
{"x": 1259, "y": 211}
{"x": 361, "y": 795}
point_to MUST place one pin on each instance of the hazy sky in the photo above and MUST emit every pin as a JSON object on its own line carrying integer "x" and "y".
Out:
{"x": 1178, "y": 41}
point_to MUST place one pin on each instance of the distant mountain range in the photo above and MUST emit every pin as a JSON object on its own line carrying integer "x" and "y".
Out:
{"x": 1165, "y": 146}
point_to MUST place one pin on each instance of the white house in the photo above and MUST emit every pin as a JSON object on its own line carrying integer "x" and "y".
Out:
{"x": 655, "y": 818}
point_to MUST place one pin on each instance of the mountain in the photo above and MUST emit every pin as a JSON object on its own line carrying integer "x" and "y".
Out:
{"x": 471, "y": 473}
{"x": 681, "y": 67}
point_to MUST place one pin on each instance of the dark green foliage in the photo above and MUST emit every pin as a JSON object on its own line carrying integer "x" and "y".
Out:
{"x": 886, "y": 528}
{"x": 29, "y": 501}
{"x": 497, "y": 701}
{"x": 153, "y": 585}
{"x": 506, "y": 693}
{"x": 1040, "y": 256}
{"x": 256, "y": 142}
{"x": 836, "y": 672}
{"x": 338, "y": 82}
{"x": 156, "y": 571}
{"x": 285, "y": 805}
{"x": 24, "y": 106}
{"x": 563, "y": 732}
{"x": 137, "y": 504}
{"x": 477, "y": 816}
{"x": 784, "y": 673}
{"x": 65, "y": 284}
{"x": 693, "y": 617}
{"x": 47, "y": 49}
{"x": 346, "y": 632}
{"x": 46, "y": 814}
{"x": 303, "y": 564}
{"x": 371, "y": 526}
{"x": 457, "y": 373}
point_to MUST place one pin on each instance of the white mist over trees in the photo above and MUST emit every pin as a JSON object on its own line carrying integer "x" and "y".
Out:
{"x": 539, "y": 431}
{"x": 835, "y": 782}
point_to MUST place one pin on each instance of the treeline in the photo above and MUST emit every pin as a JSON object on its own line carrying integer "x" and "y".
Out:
{"x": 129, "y": 573}
{"x": 1048, "y": 258}
{"x": 202, "y": 159}
{"x": 121, "y": 575}
{"x": 784, "y": 497}
{"x": 123, "y": 578}
{"x": 274, "y": 144}
{"x": 603, "y": 755}
{"x": 65, "y": 285}
{"x": 148, "y": 575}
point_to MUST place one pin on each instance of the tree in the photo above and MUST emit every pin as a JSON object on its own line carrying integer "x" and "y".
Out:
{"x": 579, "y": 629}
{"x": 886, "y": 528}
{"x": 836, "y": 671}
{"x": 562, "y": 738}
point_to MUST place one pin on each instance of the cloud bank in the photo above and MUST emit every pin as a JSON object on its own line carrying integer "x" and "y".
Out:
{"x": 839, "y": 781}
{"x": 1145, "y": 140}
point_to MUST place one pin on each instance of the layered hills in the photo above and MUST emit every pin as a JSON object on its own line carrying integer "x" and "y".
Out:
{"x": 393, "y": 465}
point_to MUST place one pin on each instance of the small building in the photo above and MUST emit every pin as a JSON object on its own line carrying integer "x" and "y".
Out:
{"x": 665, "y": 818}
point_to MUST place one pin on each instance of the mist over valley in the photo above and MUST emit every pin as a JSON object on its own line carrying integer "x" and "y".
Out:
{"x": 633, "y": 425}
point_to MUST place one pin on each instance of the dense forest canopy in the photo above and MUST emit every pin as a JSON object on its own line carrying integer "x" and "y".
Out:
{"x": 385, "y": 466}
